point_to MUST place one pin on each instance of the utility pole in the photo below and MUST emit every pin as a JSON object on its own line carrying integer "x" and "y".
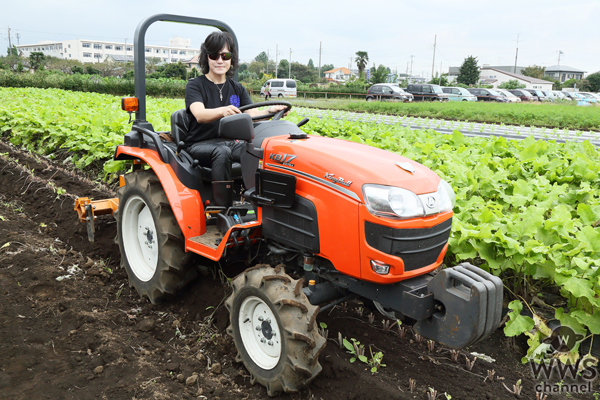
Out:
{"x": 320, "y": 48}
{"x": 9, "y": 44}
{"x": 440, "y": 83}
{"x": 276, "y": 54}
{"x": 19, "y": 39}
{"x": 433, "y": 63}
{"x": 559, "y": 53}
{"x": 267, "y": 60}
{"x": 290, "y": 72}
{"x": 350, "y": 63}
{"x": 516, "y": 55}
{"x": 411, "y": 62}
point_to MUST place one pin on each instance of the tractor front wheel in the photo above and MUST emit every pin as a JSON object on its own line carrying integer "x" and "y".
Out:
{"x": 150, "y": 240}
{"x": 273, "y": 326}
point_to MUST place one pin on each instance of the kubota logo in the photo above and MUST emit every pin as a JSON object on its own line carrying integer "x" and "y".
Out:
{"x": 430, "y": 201}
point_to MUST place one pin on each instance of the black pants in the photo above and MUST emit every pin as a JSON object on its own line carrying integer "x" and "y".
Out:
{"x": 217, "y": 154}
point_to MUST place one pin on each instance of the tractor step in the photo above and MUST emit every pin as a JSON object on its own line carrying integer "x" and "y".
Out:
{"x": 211, "y": 238}
{"x": 471, "y": 300}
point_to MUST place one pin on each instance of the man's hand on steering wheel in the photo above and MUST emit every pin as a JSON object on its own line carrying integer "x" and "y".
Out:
{"x": 280, "y": 108}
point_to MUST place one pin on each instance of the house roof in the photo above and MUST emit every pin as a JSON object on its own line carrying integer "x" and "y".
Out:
{"x": 518, "y": 76}
{"x": 193, "y": 60}
{"x": 120, "y": 58}
{"x": 563, "y": 68}
{"x": 345, "y": 71}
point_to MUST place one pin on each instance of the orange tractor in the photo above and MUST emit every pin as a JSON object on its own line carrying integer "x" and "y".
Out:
{"x": 340, "y": 220}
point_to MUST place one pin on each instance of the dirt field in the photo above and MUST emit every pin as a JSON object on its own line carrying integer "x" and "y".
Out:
{"x": 71, "y": 328}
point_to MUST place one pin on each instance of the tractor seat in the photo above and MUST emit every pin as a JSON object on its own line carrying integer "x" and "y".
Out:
{"x": 179, "y": 131}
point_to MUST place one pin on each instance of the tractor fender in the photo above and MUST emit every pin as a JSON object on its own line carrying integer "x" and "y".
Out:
{"x": 185, "y": 202}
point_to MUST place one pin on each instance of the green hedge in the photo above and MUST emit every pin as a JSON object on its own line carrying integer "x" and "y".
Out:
{"x": 92, "y": 83}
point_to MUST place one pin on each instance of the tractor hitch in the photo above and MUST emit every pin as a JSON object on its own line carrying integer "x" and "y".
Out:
{"x": 88, "y": 210}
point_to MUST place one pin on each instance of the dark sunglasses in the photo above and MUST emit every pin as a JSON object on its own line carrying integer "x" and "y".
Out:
{"x": 225, "y": 56}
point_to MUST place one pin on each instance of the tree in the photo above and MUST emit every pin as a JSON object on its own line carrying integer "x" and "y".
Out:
{"x": 303, "y": 73}
{"x": 257, "y": 67}
{"x": 327, "y": 67}
{"x": 361, "y": 62}
{"x": 442, "y": 82}
{"x": 262, "y": 57}
{"x": 12, "y": 51}
{"x": 36, "y": 60}
{"x": 90, "y": 70}
{"x": 152, "y": 64}
{"x": 193, "y": 73}
{"x": 534, "y": 71}
{"x": 469, "y": 71}
{"x": 311, "y": 65}
{"x": 282, "y": 69}
{"x": 512, "y": 84}
{"x": 594, "y": 82}
{"x": 242, "y": 67}
{"x": 175, "y": 70}
{"x": 77, "y": 70}
{"x": 379, "y": 74}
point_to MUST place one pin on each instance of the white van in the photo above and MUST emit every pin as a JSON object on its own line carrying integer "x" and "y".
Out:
{"x": 280, "y": 88}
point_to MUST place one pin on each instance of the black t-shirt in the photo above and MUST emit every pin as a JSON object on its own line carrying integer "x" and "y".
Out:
{"x": 202, "y": 90}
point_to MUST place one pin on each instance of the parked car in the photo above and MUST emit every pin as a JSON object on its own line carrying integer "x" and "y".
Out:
{"x": 538, "y": 93}
{"x": 574, "y": 96}
{"x": 550, "y": 95}
{"x": 561, "y": 95}
{"x": 426, "y": 92}
{"x": 281, "y": 88}
{"x": 458, "y": 94}
{"x": 487, "y": 95}
{"x": 524, "y": 95}
{"x": 589, "y": 97}
{"x": 509, "y": 96}
{"x": 388, "y": 92}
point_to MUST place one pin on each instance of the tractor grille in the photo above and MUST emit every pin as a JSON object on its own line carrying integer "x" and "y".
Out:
{"x": 296, "y": 226}
{"x": 417, "y": 247}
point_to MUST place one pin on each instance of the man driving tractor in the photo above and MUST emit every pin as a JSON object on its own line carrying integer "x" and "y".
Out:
{"x": 210, "y": 97}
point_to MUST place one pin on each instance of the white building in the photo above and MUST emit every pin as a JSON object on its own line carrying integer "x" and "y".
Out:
{"x": 93, "y": 51}
{"x": 340, "y": 75}
{"x": 496, "y": 77}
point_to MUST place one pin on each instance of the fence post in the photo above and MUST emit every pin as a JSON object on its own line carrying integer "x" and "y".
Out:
{"x": 325, "y": 95}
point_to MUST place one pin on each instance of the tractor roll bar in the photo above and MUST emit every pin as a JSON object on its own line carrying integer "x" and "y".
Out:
{"x": 139, "y": 51}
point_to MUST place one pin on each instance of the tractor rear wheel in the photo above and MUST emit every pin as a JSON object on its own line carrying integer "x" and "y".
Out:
{"x": 150, "y": 240}
{"x": 273, "y": 326}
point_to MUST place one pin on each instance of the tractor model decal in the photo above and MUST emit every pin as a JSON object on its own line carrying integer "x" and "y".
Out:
{"x": 330, "y": 184}
{"x": 284, "y": 159}
{"x": 339, "y": 180}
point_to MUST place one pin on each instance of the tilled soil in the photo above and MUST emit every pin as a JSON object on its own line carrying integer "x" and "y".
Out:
{"x": 71, "y": 328}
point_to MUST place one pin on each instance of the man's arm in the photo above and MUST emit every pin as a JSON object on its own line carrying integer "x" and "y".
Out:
{"x": 204, "y": 115}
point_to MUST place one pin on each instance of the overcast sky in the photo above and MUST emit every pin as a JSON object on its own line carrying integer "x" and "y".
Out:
{"x": 389, "y": 30}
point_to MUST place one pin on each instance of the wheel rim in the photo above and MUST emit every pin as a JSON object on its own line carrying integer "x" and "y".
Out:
{"x": 260, "y": 332}
{"x": 139, "y": 238}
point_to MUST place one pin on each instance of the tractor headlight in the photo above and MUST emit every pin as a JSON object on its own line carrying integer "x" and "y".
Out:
{"x": 446, "y": 196}
{"x": 389, "y": 201}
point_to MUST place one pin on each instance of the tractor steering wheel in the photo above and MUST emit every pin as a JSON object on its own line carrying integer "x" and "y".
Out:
{"x": 274, "y": 116}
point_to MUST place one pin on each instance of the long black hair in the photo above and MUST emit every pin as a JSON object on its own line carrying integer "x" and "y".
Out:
{"x": 213, "y": 44}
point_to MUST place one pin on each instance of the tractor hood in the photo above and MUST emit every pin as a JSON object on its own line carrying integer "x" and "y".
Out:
{"x": 347, "y": 164}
